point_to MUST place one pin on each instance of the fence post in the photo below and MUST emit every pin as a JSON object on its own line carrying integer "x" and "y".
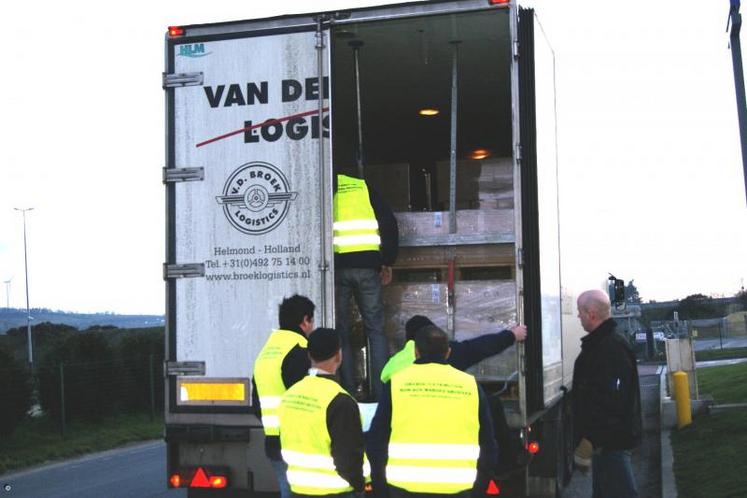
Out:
{"x": 62, "y": 400}
{"x": 152, "y": 387}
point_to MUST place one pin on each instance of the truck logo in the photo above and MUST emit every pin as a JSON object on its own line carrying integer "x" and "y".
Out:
{"x": 193, "y": 50}
{"x": 256, "y": 198}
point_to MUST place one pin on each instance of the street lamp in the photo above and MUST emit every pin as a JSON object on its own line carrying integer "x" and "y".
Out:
{"x": 7, "y": 292}
{"x": 26, "y": 269}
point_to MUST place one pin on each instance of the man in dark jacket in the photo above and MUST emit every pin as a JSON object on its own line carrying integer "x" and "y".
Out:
{"x": 366, "y": 242}
{"x": 606, "y": 401}
{"x": 320, "y": 427}
{"x": 422, "y": 411}
{"x": 282, "y": 362}
{"x": 465, "y": 354}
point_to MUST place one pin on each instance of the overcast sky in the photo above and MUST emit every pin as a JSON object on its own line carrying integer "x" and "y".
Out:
{"x": 651, "y": 176}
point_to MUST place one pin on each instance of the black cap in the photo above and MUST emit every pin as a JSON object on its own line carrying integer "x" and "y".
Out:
{"x": 323, "y": 344}
{"x": 415, "y": 323}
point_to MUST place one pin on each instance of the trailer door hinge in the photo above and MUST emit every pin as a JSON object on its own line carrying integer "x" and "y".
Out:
{"x": 520, "y": 257}
{"x": 183, "y": 174}
{"x": 515, "y": 47}
{"x": 518, "y": 154}
{"x": 184, "y": 367}
{"x": 182, "y": 79}
{"x": 188, "y": 270}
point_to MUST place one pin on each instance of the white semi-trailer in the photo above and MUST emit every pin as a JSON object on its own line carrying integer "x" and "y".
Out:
{"x": 448, "y": 110}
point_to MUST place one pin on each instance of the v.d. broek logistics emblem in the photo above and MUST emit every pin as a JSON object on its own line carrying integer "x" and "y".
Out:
{"x": 256, "y": 198}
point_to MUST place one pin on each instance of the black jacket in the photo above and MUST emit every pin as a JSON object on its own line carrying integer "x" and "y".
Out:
{"x": 606, "y": 393}
{"x": 388, "y": 231}
{"x": 346, "y": 434}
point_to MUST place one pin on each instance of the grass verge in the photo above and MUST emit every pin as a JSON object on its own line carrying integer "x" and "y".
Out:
{"x": 38, "y": 440}
{"x": 727, "y": 384}
{"x": 720, "y": 354}
{"x": 707, "y": 452}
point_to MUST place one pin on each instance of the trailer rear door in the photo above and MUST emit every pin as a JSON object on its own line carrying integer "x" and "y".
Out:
{"x": 247, "y": 199}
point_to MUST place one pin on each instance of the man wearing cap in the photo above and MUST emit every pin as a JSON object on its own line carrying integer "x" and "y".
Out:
{"x": 281, "y": 362}
{"x": 366, "y": 242}
{"x": 432, "y": 432}
{"x": 465, "y": 354}
{"x": 320, "y": 426}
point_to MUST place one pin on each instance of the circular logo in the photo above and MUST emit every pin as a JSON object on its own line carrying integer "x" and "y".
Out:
{"x": 256, "y": 198}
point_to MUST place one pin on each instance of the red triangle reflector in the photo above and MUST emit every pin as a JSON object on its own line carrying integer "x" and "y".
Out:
{"x": 493, "y": 488}
{"x": 200, "y": 479}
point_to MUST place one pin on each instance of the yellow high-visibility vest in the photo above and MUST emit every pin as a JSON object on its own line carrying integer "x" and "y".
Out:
{"x": 402, "y": 359}
{"x": 305, "y": 440}
{"x": 268, "y": 375}
{"x": 434, "y": 443}
{"x": 355, "y": 226}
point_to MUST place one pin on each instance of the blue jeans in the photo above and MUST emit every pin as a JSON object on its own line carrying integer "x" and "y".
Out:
{"x": 612, "y": 475}
{"x": 280, "y": 468}
{"x": 364, "y": 285}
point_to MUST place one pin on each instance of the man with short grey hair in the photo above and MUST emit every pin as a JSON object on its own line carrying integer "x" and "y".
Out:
{"x": 606, "y": 401}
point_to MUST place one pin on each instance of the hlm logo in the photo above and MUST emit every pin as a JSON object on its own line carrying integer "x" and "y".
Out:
{"x": 194, "y": 50}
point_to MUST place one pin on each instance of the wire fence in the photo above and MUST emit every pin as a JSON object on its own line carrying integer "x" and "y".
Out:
{"x": 91, "y": 390}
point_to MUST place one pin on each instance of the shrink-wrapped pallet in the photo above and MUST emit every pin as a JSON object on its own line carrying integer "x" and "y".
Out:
{"x": 480, "y": 307}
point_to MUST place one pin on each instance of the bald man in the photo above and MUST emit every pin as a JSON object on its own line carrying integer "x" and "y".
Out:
{"x": 606, "y": 401}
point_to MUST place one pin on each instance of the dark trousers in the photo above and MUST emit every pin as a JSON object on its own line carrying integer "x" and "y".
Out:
{"x": 612, "y": 475}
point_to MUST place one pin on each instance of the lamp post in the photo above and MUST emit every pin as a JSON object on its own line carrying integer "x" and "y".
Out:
{"x": 26, "y": 269}
{"x": 7, "y": 292}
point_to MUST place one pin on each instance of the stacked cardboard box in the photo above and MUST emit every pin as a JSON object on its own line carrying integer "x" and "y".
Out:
{"x": 486, "y": 184}
{"x": 469, "y": 221}
{"x": 392, "y": 182}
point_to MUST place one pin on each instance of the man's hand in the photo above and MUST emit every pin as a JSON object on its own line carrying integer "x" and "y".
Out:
{"x": 385, "y": 275}
{"x": 520, "y": 332}
{"x": 582, "y": 455}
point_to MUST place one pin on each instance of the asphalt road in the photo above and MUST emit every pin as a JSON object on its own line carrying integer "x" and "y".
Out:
{"x": 137, "y": 471}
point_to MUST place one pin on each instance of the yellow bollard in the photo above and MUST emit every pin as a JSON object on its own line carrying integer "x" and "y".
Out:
{"x": 682, "y": 398}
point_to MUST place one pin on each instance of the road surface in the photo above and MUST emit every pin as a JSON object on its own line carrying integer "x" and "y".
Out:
{"x": 137, "y": 471}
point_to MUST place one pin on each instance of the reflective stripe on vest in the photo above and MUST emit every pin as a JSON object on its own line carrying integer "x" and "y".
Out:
{"x": 268, "y": 375}
{"x": 403, "y": 358}
{"x": 305, "y": 440}
{"x": 355, "y": 226}
{"x": 423, "y": 456}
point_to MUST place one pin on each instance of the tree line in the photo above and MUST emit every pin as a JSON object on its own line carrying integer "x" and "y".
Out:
{"x": 80, "y": 375}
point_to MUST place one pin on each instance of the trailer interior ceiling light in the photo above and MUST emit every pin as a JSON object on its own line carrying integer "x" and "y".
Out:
{"x": 428, "y": 111}
{"x": 479, "y": 154}
{"x": 176, "y": 31}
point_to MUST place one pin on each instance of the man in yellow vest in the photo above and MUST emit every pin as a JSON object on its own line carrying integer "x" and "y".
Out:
{"x": 281, "y": 363}
{"x": 432, "y": 432}
{"x": 463, "y": 355}
{"x": 320, "y": 427}
{"x": 366, "y": 241}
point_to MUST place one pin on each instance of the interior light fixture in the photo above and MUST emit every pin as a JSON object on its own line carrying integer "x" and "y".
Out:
{"x": 479, "y": 154}
{"x": 428, "y": 111}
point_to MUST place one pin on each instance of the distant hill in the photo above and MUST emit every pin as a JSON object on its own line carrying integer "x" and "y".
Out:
{"x": 14, "y": 317}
